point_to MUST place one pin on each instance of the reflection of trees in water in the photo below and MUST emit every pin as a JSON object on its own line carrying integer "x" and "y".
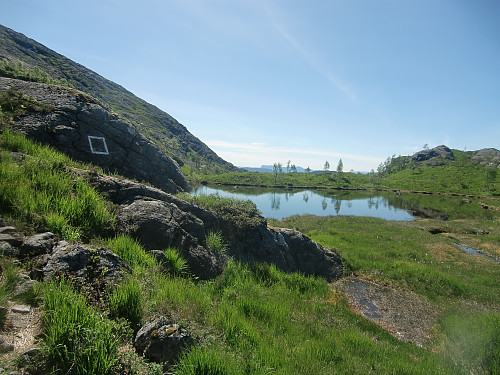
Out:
{"x": 324, "y": 205}
{"x": 305, "y": 196}
{"x": 349, "y": 204}
{"x": 337, "y": 205}
{"x": 275, "y": 201}
{"x": 377, "y": 202}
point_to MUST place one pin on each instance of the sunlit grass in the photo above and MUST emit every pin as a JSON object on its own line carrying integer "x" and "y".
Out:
{"x": 41, "y": 191}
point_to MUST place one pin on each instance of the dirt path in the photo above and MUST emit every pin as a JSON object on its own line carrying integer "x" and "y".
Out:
{"x": 404, "y": 314}
{"x": 21, "y": 327}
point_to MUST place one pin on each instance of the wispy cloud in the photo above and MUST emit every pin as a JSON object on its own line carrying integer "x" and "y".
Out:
{"x": 310, "y": 58}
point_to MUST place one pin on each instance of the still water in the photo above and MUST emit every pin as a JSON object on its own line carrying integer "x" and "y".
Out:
{"x": 281, "y": 203}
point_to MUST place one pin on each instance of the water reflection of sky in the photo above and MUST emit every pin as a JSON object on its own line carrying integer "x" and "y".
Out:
{"x": 278, "y": 205}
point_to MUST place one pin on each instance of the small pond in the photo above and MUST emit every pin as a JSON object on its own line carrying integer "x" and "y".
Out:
{"x": 280, "y": 203}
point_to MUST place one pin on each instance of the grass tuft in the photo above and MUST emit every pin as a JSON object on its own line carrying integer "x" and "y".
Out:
{"x": 78, "y": 340}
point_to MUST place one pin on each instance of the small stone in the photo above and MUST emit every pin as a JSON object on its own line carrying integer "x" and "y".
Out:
{"x": 21, "y": 309}
{"x": 5, "y": 345}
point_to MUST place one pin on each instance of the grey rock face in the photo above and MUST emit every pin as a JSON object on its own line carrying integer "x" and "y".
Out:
{"x": 85, "y": 130}
{"x": 434, "y": 157}
{"x": 10, "y": 241}
{"x": 162, "y": 341}
{"x": 160, "y": 220}
{"x": 489, "y": 157}
{"x": 38, "y": 244}
{"x": 85, "y": 263}
{"x": 159, "y": 225}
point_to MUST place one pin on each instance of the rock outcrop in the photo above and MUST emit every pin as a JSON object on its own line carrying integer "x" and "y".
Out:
{"x": 159, "y": 220}
{"x": 85, "y": 264}
{"x": 82, "y": 128}
{"x": 434, "y": 156}
{"x": 489, "y": 157}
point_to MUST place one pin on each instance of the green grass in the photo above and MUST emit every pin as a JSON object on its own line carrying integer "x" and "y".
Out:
{"x": 18, "y": 70}
{"x": 39, "y": 190}
{"x": 214, "y": 240}
{"x": 459, "y": 177}
{"x": 450, "y": 178}
{"x": 132, "y": 252}
{"x": 177, "y": 263}
{"x": 241, "y": 213}
{"x": 125, "y": 301}
{"x": 258, "y": 320}
{"x": 404, "y": 254}
{"x": 472, "y": 340}
{"x": 77, "y": 339}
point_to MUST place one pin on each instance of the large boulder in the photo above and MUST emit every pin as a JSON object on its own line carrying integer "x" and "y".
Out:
{"x": 38, "y": 244}
{"x": 84, "y": 129}
{"x": 98, "y": 267}
{"x": 160, "y": 225}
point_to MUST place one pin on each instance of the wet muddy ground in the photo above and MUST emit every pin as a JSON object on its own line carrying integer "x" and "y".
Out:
{"x": 406, "y": 315}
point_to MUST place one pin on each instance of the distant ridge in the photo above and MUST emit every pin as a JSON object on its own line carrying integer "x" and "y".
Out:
{"x": 158, "y": 126}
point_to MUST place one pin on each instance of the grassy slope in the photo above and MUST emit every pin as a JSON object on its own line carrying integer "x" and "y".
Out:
{"x": 257, "y": 320}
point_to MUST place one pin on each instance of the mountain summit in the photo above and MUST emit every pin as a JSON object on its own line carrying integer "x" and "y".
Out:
{"x": 156, "y": 125}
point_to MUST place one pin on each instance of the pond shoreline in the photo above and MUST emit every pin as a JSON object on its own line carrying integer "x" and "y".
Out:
{"x": 296, "y": 187}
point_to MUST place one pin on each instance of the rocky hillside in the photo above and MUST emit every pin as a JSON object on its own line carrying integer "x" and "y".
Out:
{"x": 441, "y": 155}
{"x": 156, "y": 125}
{"x": 82, "y": 128}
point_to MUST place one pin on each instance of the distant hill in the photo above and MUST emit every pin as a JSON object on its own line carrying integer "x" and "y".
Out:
{"x": 156, "y": 125}
{"x": 438, "y": 156}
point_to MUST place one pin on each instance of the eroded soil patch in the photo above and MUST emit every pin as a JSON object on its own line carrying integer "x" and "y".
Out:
{"x": 404, "y": 314}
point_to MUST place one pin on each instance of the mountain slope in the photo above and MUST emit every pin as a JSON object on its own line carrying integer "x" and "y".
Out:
{"x": 158, "y": 126}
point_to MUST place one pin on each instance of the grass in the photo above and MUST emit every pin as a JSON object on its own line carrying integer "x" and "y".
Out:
{"x": 40, "y": 191}
{"x": 125, "y": 301}
{"x": 77, "y": 339}
{"x": 255, "y": 319}
{"x": 241, "y": 213}
{"x": 214, "y": 240}
{"x": 178, "y": 264}
{"x": 459, "y": 177}
{"x": 132, "y": 252}
{"x": 18, "y": 70}
{"x": 404, "y": 254}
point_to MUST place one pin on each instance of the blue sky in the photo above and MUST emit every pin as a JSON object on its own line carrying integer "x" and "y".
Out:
{"x": 262, "y": 81}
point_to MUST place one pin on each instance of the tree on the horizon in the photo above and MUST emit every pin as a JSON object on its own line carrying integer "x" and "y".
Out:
{"x": 277, "y": 169}
{"x": 340, "y": 168}
{"x": 327, "y": 166}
